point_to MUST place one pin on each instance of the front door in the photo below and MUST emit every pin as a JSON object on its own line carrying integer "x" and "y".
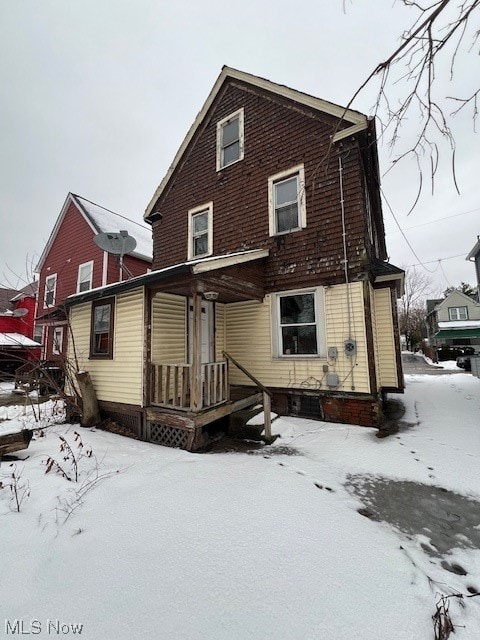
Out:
{"x": 207, "y": 331}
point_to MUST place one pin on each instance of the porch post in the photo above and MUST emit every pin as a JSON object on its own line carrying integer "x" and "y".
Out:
{"x": 267, "y": 415}
{"x": 147, "y": 353}
{"x": 196, "y": 369}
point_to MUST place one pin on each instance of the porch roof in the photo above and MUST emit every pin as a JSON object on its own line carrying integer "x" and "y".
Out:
{"x": 17, "y": 341}
{"x": 457, "y": 333}
{"x": 234, "y": 277}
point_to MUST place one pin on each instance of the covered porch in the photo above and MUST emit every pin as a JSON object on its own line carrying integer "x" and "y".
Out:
{"x": 183, "y": 397}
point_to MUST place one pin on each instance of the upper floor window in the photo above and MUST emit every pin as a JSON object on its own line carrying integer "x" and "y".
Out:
{"x": 298, "y": 323}
{"x": 286, "y": 201}
{"x": 50, "y": 290}
{"x": 230, "y": 139}
{"x": 57, "y": 344}
{"x": 101, "y": 336}
{"x": 458, "y": 313}
{"x": 85, "y": 276}
{"x": 200, "y": 231}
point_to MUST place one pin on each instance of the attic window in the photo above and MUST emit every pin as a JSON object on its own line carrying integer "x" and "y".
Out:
{"x": 458, "y": 313}
{"x": 230, "y": 139}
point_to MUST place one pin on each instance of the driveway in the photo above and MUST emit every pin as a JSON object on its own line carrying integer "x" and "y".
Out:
{"x": 415, "y": 364}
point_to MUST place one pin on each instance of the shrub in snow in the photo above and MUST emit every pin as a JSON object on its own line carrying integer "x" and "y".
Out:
{"x": 19, "y": 490}
{"x": 69, "y": 468}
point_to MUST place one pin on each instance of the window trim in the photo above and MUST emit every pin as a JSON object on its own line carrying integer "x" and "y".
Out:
{"x": 46, "y": 290}
{"x": 204, "y": 208}
{"x": 109, "y": 354}
{"x": 457, "y": 309}
{"x": 240, "y": 114}
{"x": 57, "y": 351}
{"x": 299, "y": 171}
{"x": 85, "y": 264}
{"x": 319, "y": 305}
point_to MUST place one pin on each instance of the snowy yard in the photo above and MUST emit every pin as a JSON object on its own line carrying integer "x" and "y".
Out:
{"x": 159, "y": 543}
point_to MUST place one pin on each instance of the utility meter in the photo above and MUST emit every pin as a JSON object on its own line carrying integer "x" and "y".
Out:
{"x": 350, "y": 347}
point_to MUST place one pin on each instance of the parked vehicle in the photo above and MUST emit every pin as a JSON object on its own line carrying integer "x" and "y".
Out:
{"x": 464, "y": 362}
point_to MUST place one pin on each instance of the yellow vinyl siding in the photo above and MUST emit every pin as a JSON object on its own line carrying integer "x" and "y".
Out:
{"x": 169, "y": 329}
{"x": 250, "y": 337}
{"x": 353, "y": 372}
{"x": 220, "y": 345}
{"x": 374, "y": 332}
{"x": 120, "y": 379}
{"x": 385, "y": 338}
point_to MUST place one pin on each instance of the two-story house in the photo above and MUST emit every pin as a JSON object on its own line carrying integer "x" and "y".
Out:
{"x": 269, "y": 272}
{"x": 71, "y": 262}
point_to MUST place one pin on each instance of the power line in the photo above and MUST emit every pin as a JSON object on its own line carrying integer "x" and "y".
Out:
{"x": 424, "y": 224}
{"x": 440, "y": 260}
{"x": 403, "y": 233}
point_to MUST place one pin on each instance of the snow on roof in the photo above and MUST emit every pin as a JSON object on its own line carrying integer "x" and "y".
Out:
{"x": 109, "y": 221}
{"x": 459, "y": 324}
{"x": 16, "y": 340}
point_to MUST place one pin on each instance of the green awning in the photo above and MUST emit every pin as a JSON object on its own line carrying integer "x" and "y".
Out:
{"x": 457, "y": 333}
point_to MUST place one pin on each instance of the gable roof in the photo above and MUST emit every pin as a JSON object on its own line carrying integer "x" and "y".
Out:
{"x": 102, "y": 220}
{"x": 357, "y": 120}
{"x": 456, "y": 293}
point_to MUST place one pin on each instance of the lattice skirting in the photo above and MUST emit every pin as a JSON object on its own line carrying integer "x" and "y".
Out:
{"x": 176, "y": 437}
{"x": 130, "y": 420}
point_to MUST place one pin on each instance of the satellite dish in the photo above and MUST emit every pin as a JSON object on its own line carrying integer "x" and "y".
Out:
{"x": 18, "y": 313}
{"x": 118, "y": 243}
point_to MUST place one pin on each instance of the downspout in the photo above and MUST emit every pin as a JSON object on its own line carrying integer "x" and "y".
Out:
{"x": 345, "y": 259}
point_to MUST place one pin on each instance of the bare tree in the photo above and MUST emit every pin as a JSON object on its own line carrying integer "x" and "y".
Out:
{"x": 412, "y": 80}
{"x": 412, "y": 313}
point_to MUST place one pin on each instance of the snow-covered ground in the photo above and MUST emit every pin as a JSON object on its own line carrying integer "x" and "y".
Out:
{"x": 160, "y": 543}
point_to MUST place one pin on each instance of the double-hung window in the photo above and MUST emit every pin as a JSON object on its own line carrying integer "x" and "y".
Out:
{"x": 200, "y": 231}
{"x": 50, "y": 290}
{"x": 101, "y": 338}
{"x": 230, "y": 139}
{"x": 298, "y": 323}
{"x": 57, "y": 344}
{"x": 286, "y": 201}
{"x": 85, "y": 276}
{"x": 458, "y": 313}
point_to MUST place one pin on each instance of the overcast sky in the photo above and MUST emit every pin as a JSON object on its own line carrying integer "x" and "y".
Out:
{"x": 96, "y": 97}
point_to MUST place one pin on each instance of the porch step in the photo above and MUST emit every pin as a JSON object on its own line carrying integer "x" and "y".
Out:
{"x": 239, "y": 428}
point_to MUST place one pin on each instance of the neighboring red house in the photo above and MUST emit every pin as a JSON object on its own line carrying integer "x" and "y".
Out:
{"x": 17, "y": 320}
{"x": 71, "y": 263}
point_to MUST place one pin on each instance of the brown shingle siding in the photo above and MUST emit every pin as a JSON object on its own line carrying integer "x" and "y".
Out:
{"x": 278, "y": 135}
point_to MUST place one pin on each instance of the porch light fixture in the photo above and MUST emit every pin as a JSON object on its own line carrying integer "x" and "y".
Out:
{"x": 210, "y": 295}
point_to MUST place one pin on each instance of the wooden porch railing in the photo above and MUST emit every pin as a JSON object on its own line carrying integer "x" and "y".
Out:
{"x": 267, "y": 397}
{"x": 171, "y": 385}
